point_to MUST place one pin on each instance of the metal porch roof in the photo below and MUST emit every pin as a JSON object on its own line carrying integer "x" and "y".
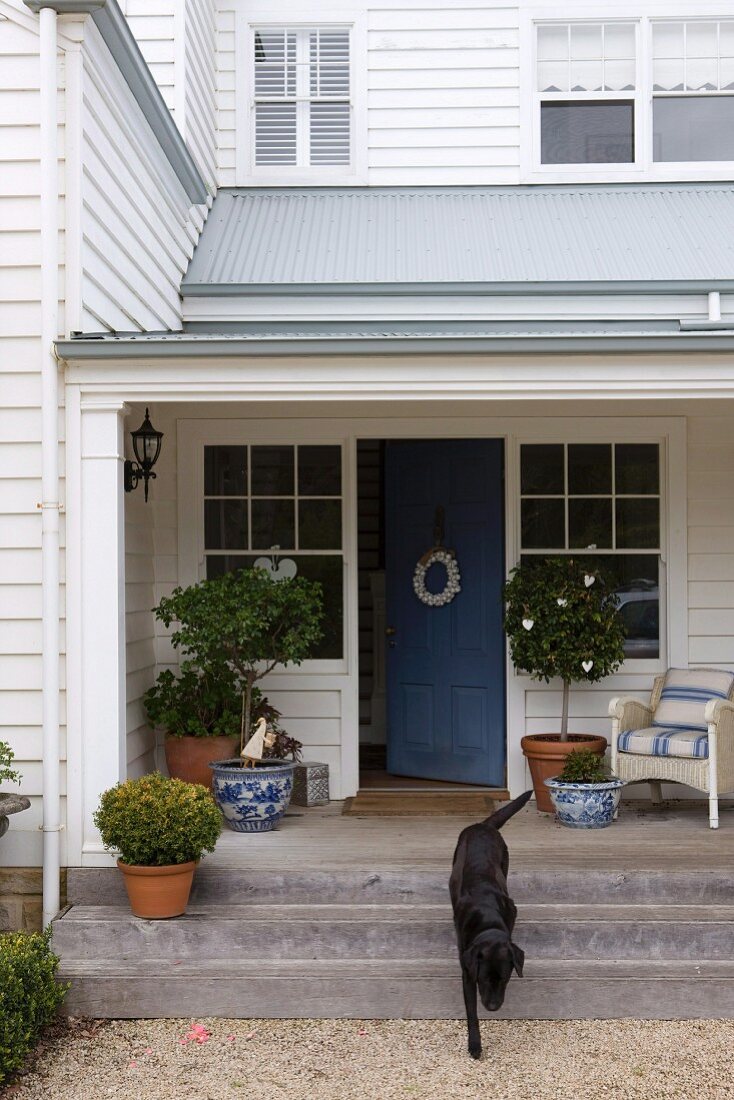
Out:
{"x": 642, "y": 237}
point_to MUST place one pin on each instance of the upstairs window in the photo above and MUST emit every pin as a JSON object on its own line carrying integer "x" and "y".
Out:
{"x": 586, "y": 80}
{"x": 693, "y": 91}
{"x": 302, "y": 109}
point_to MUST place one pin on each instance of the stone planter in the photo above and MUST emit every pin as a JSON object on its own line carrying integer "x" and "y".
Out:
{"x": 252, "y": 800}
{"x": 11, "y": 804}
{"x": 585, "y": 805}
{"x": 310, "y": 784}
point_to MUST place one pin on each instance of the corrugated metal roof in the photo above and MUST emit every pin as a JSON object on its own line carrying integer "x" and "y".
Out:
{"x": 518, "y": 237}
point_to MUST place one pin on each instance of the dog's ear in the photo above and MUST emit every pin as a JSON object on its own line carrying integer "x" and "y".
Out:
{"x": 518, "y": 958}
{"x": 470, "y": 961}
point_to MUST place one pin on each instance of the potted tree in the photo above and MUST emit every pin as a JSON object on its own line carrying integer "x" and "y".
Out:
{"x": 251, "y": 624}
{"x": 585, "y": 795}
{"x": 9, "y": 803}
{"x": 160, "y": 827}
{"x": 562, "y": 623}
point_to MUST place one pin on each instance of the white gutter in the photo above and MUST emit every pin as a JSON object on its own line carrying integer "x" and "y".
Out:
{"x": 49, "y": 504}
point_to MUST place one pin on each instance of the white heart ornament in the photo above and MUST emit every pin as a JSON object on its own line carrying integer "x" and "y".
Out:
{"x": 283, "y": 570}
{"x": 561, "y": 602}
{"x": 528, "y": 623}
{"x": 588, "y": 581}
{"x": 587, "y": 665}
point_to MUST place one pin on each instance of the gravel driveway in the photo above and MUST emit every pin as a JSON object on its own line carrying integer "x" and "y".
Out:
{"x": 381, "y": 1060}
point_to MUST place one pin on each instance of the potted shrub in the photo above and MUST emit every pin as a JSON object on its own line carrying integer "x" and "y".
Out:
{"x": 160, "y": 827}
{"x": 562, "y": 623}
{"x": 9, "y": 803}
{"x": 585, "y": 795}
{"x": 252, "y": 624}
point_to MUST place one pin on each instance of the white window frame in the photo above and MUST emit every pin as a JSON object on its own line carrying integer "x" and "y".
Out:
{"x": 247, "y": 173}
{"x": 644, "y": 168}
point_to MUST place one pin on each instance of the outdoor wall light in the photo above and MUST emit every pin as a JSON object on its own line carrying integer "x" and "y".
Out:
{"x": 147, "y": 447}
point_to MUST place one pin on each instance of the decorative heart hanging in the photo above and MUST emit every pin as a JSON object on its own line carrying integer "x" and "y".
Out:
{"x": 587, "y": 665}
{"x": 528, "y": 623}
{"x": 588, "y": 580}
{"x": 561, "y": 602}
{"x": 283, "y": 570}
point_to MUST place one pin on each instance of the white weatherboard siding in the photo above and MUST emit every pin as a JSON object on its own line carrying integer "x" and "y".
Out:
{"x": 153, "y": 22}
{"x": 200, "y": 86}
{"x": 138, "y": 233}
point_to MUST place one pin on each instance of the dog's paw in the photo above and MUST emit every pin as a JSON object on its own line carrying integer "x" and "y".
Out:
{"x": 475, "y": 1050}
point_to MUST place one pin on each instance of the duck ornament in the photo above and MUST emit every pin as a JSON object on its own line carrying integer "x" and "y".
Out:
{"x": 261, "y": 739}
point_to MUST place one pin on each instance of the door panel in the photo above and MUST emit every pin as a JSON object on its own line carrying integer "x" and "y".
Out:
{"x": 445, "y": 665}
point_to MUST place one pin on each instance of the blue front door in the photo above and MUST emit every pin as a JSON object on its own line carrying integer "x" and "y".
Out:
{"x": 445, "y": 665}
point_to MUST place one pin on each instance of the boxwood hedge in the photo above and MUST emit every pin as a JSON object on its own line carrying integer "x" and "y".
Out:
{"x": 29, "y": 994}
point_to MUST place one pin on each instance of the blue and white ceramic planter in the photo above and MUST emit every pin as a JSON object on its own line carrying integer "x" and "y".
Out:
{"x": 585, "y": 805}
{"x": 252, "y": 800}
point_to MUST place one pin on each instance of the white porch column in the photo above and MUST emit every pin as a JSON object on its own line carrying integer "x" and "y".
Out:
{"x": 102, "y": 607}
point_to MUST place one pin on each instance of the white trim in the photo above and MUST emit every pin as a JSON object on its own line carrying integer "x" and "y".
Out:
{"x": 247, "y": 174}
{"x": 74, "y": 663}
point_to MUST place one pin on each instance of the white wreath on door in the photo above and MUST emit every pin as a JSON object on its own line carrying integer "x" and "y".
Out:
{"x": 437, "y": 556}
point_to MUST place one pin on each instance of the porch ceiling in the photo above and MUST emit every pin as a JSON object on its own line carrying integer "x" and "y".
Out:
{"x": 625, "y": 237}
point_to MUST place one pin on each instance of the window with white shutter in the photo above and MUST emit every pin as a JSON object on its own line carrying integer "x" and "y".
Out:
{"x": 302, "y": 109}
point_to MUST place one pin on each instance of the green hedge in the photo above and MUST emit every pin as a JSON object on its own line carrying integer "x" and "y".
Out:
{"x": 29, "y": 994}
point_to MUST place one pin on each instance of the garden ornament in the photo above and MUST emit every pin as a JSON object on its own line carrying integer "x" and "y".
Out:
{"x": 252, "y": 753}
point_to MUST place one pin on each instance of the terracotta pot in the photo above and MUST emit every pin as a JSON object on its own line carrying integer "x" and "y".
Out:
{"x": 188, "y": 758}
{"x": 546, "y": 755}
{"x": 158, "y": 892}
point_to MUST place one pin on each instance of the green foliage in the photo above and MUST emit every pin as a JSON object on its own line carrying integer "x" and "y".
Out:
{"x": 572, "y": 623}
{"x": 196, "y": 703}
{"x": 7, "y": 774}
{"x": 584, "y": 766}
{"x": 156, "y": 822}
{"x": 29, "y": 995}
{"x": 247, "y": 622}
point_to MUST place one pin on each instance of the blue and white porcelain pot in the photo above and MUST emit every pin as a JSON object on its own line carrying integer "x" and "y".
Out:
{"x": 252, "y": 800}
{"x": 585, "y": 805}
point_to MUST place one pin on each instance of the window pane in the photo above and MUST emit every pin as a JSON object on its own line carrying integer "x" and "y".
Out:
{"x": 702, "y": 74}
{"x": 319, "y": 524}
{"x": 225, "y": 524}
{"x": 585, "y": 40}
{"x": 329, "y": 133}
{"x": 638, "y": 523}
{"x": 543, "y": 524}
{"x": 637, "y": 468}
{"x": 667, "y": 40}
{"x": 693, "y": 128}
{"x": 553, "y": 76}
{"x": 619, "y": 40}
{"x": 701, "y": 40}
{"x": 726, "y": 38}
{"x": 586, "y": 76}
{"x": 541, "y": 469}
{"x": 589, "y": 523}
{"x": 635, "y": 578}
{"x": 619, "y": 76}
{"x": 726, "y": 74}
{"x": 668, "y": 75}
{"x": 272, "y": 471}
{"x": 273, "y": 524}
{"x": 275, "y": 133}
{"x": 589, "y": 468}
{"x": 319, "y": 471}
{"x": 225, "y": 471}
{"x": 552, "y": 43}
{"x": 587, "y": 132}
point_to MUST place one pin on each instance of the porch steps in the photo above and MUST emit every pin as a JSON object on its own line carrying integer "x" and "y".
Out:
{"x": 380, "y": 944}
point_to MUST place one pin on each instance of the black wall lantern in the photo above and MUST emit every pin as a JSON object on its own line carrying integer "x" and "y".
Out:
{"x": 147, "y": 447}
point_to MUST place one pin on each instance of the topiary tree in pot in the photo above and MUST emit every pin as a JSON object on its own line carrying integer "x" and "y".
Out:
{"x": 562, "y": 622}
{"x": 248, "y": 623}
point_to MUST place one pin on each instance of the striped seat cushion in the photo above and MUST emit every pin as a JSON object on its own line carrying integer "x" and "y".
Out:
{"x": 655, "y": 741}
{"x": 685, "y": 694}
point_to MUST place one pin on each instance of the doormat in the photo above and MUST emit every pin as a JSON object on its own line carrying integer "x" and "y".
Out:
{"x": 420, "y": 804}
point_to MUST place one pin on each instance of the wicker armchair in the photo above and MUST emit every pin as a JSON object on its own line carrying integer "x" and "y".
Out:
{"x": 713, "y": 774}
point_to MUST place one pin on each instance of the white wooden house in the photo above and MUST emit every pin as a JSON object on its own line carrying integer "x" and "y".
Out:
{"x": 348, "y": 225}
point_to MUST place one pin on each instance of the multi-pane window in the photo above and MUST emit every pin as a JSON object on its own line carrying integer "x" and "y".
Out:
{"x": 693, "y": 90}
{"x": 284, "y": 503}
{"x": 302, "y": 113}
{"x": 600, "y": 501}
{"x": 586, "y": 77}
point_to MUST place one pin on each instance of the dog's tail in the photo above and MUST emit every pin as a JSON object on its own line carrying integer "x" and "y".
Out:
{"x": 499, "y": 817}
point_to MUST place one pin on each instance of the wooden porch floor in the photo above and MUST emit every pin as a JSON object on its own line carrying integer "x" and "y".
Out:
{"x": 675, "y": 836}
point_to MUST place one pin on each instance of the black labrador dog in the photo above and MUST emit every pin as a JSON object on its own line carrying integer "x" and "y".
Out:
{"x": 484, "y": 916}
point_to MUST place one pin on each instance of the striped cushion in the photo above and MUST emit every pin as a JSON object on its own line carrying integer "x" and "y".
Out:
{"x": 685, "y": 694}
{"x": 665, "y": 742}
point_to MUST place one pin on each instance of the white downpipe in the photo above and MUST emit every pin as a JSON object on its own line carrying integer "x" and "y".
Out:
{"x": 50, "y": 462}
{"x": 714, "y": 305}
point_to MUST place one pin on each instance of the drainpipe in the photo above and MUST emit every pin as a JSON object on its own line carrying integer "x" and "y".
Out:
{"x": 49, "y": 504}
{"x": 714, "y": 301}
